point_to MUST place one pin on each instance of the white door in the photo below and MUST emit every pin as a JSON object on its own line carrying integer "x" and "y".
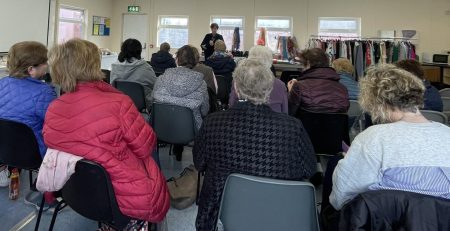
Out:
{"x": 136, "y": 26}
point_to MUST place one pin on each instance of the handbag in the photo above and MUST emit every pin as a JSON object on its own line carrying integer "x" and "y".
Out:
{"x": 183, "y": 189}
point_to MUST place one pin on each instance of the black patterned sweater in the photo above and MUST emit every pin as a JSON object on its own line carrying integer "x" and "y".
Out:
{"x": 252, "y": 140}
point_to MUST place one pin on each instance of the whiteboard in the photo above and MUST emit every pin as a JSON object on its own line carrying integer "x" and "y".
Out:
{"x": 23, "y": 20}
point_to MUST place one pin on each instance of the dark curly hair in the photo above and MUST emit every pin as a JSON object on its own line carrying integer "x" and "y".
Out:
{"x": 316, "y": 57}
{"x": 131, "y": 48}
{"x": 411, "y": 66}
{"x": 186, "y": 57}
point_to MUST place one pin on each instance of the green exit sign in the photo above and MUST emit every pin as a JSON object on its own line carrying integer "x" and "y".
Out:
{"x": 133, "y": 9}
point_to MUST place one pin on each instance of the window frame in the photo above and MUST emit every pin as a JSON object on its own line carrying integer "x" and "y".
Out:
{"x": 159, "y": 26}
{"x": 82, "y": 22}
{"x": 286, "y": 30}
{"x": 355, "y": 19}
{"x": 241, "y": 29}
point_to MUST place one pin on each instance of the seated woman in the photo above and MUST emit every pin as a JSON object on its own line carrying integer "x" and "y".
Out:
{"x": 208, "y": 73}
{"x": 432, "y": 98}
{"x": 277, "y": 147}
{"x": 317, "y": 89}
{"x": 184, "y": 87}
{"x": 23, "y": 97}
{"x": 97, "y": 122}
{"x": 162, "y": 59}
{"x": 221, "y": 62}
{"x": 345, "y": 70}
{"x": 278, "y": 97}
{"x": 404, "y": 152}
{"x": 132, "y": 67}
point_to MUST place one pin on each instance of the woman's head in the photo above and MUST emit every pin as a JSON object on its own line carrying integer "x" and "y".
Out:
{"x": 186, "y": 57}
{"x": 342, "y": 65}
{"x": 219, "y": 45}
{"x": 27, "y": 59}
{"x": 253, "y": 81}
{"x": 411, "y": 66}
{"x": 263, "y": 54}
{"x": 74, "y": 61}
{"x": 387, "y": 89}
{"x": 131, "y": 48}
{"x": 214, "y": 27}
{"x": 196, "y": 54}
{"x": 164, "y": 47}
{"x": 314, "y": 57}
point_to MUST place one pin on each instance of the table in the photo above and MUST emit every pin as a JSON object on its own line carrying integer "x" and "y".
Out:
{"x": 441, "y": 69}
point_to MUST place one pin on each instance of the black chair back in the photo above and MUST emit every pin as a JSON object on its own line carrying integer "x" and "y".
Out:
{"x": 18, "y": 146}
{"x": 134, "y": 90}
{"x": 224, "y": 84}
{"x": 173, "y": 124}
{"x": 326, "y": 131}
{"x": 89, "y": 192}
{"x": 107, "y": 74}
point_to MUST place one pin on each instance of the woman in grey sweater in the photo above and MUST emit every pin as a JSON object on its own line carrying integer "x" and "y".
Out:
{"x": 405, "y": 151}
{"x": 183, "y": 86}
{"x": 131, "y": 67}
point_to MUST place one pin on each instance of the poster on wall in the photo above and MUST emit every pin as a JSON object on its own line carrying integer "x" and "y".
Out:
{"x": 101, "y": 26}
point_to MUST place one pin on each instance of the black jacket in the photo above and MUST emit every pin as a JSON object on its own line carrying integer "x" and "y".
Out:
{"x": 251, "y": 140}
{"x": 395, "y": 210}
{"x": 221, "y": 65}
{"x": 161, "y": 60}
{"x": 209, "y": 49}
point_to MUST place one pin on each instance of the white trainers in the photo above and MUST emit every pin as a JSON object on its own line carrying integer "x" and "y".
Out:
{"x": 4, "y": 180}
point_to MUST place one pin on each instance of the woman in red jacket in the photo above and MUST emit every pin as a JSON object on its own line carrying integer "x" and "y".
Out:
{"x": 97, "y": 122}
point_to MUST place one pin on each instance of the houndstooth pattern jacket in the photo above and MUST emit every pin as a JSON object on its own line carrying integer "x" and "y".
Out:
{"x": 248, "y": 139}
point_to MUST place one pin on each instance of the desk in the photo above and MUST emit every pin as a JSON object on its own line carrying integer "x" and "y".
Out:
{"x": 441, "y": 69}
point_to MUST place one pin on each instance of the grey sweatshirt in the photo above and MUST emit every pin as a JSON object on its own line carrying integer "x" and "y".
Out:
{"x": 138, "y": 71}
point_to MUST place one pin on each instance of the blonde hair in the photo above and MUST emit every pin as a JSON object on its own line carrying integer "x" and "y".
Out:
{"x": 254, "y": 81}
{"x": 342, "y": 65}
{"x": 219, "y": 45}
{"x": 73, "y": 61}
{"x": 387, "y": 88}
{"x": 23, "y": 55}
{"x": 262, "y": 53}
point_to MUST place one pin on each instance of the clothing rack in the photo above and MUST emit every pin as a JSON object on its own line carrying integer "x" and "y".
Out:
{"x": 361, "y": 38}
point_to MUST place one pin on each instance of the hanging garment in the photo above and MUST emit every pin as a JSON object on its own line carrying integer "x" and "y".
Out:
{"x": 236, "y": 40}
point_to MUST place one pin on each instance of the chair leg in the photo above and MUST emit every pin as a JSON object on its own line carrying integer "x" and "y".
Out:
{"x": 197, "y": 196}
{"x": 55, "y": 213}
{"x": 38, "y": 220}
{"x": 31, "y": 178}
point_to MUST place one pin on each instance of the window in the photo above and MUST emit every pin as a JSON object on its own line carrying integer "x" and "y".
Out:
{"x": 345, "y": 27}
{"x": 275, "y": 26}
{"x": 226, "y": 29}
{"x": 71, "y": 24}
{"x": 174, "y": 30}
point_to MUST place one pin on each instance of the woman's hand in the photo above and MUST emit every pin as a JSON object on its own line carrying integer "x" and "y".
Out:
{"x": 290, "y": 84}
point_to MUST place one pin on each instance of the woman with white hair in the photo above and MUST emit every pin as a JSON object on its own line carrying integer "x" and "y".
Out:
{"x": 405, "y": 151}
{"x": 278, "y": 99}
{"x": 249, "y": 138}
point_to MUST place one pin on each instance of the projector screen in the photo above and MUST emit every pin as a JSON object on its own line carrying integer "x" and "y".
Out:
{"x": 23, "y": 20}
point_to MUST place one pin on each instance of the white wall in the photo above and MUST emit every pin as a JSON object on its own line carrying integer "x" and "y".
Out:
{"x": 428, "y": 17}
{"x": 93, "y": 8}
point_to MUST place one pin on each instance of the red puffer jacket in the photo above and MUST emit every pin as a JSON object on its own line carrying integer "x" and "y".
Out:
{"x": 318, "y": 90}
{"x": 102, "y": 125}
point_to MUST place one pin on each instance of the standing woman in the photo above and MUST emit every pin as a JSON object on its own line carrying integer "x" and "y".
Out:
{"x": 209, "y": 40}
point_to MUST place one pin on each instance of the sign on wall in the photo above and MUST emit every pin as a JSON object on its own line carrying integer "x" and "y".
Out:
{"x": 101, "y": 26}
